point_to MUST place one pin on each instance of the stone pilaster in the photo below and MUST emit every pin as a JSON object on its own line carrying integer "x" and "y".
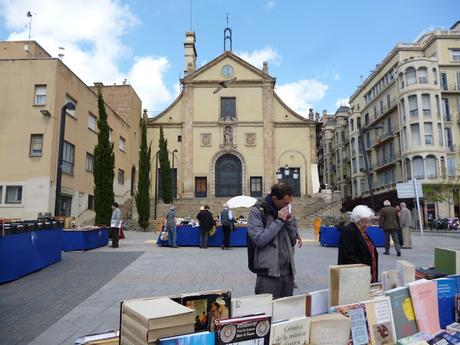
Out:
{"x": 268, "y": 110}
{"x": 187, "y": 143}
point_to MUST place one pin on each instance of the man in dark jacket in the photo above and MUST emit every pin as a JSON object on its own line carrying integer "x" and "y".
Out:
{"x": 389, "y": 223}
{"x": 206, "y": 221}
{"x": 226, "y": 219}
{"x": 274, "y": 240}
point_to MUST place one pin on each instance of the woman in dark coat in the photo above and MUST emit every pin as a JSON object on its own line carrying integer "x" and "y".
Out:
{"x": 206, "y": 221}
{"x": 355, "y": 246}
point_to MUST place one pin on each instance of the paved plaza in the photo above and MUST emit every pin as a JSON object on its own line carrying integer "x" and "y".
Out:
{"x": 82, "y": 294}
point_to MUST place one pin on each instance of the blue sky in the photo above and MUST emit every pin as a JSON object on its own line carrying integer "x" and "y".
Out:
{"x": 317, "y": 50}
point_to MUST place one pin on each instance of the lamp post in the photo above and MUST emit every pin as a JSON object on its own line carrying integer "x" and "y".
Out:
{"x": 57, "y": 200}
{"x": 156, "y": 184}
{"x": 362, "y": 132}
{"x": 172, "y": 176}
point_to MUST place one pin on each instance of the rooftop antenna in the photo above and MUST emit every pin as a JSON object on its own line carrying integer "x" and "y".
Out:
{"x": 61, "y": 52}
{"x": 29, "y": 15}
{"x": 227, "y": 36}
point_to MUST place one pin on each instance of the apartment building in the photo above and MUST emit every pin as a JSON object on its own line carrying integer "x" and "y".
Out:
{"x": 34, "y": 88}
{"x": 336, "y": 161}
{"x": 404, "y": 120}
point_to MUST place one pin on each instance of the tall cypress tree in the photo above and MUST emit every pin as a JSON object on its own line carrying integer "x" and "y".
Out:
{"x": 142, "y": 196}
{"x": 104, "y": 164}
{"x": 165, "y": 169}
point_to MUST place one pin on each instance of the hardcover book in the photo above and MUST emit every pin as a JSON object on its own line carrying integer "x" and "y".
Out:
{"x": 292, "y": 331}
{"x": 359, "y": 334}
{"x": 200, "y": 338}
{"x": 330, "y": 329}
{"x": 424, "y": 297}
{"x": 406, "y": 271}
{"x": 403, "y": 312}
{"x": 391, "y": 279}
{"x": 251, "y": 305}
{"x": 380, "y": 321}
{"x": 445, "y": 338}
{"x": 288, "y": 307}
{"x": 249, "y": 330}
{"x": 419, "y": 338}
{"x": 447, "y": 290}
{"x": 317, "y": 302}
{"x": 349, "y": 284}
{"x": 208, "y": 306}
{"x": 447, "y": 260}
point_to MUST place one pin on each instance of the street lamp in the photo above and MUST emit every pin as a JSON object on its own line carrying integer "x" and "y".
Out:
{"x": 172, "y": 176}
{"x": 362, "y": 132}
{"x": 57, "y": 200}
{"x": 156, "y": 184}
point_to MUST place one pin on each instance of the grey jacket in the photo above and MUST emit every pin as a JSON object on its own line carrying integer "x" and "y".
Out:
{"x": 267, "y": 240}
{"x": 405, "y": 217}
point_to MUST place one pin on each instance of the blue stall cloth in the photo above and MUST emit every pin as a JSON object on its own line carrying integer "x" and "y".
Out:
{"x": 188, "y": 236}
{"x": 74, "y": 239}
{"x": 23, "y": 253}
{"x": 329, "y": 236}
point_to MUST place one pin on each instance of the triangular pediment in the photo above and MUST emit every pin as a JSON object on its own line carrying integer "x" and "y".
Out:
{"x": 241, "y": 69}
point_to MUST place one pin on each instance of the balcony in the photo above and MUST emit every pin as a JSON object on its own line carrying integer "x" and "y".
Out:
{"x": 385, "y": 137}
{"x": 450, "y": 87}
{"x": 451, "y": 148}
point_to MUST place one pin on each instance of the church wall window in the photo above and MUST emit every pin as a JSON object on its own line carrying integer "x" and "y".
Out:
{"x": 228, "y": 107}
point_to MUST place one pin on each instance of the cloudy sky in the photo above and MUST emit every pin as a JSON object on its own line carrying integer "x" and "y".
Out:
{"x": 317, "y": 50}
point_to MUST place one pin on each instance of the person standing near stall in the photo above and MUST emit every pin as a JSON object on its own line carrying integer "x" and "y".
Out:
{"x": 170, "y": 225}
{"x": 115, "y": 225}
{"x": 226, "y": 219}
{"x": 206, "y": 221}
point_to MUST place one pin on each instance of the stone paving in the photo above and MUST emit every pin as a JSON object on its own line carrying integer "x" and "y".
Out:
{"x": 163, "y": 271}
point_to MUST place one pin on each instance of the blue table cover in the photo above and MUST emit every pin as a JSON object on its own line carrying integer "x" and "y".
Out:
{"x": 84, "y": 240}
{"x": 23, "y": 253}
{"x": 329, "y": 236}
{"x": 190, "y": 236}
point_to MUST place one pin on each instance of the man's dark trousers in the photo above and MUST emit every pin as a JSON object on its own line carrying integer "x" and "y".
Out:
{"x": 226, "y": 229}
{"x": 278, "y": 286}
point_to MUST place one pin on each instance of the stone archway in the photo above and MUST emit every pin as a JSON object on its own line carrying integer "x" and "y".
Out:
{"x": 222, "y": 157}
{"x": 228, "y": 174}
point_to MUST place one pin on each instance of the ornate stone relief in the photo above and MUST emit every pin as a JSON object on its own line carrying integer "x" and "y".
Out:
{"x": 206, "y": 140}
{"x": 250, "y": 139}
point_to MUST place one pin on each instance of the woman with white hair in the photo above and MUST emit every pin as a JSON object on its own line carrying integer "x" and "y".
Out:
{"x": 355, "y": 246}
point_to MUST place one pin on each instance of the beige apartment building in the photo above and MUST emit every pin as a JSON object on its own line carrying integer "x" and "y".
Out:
{"x": 34, "y": 87}
{"x": 335, "y": 148}
{"x": 231, "y": 134}
{"x": 407, "y": 115}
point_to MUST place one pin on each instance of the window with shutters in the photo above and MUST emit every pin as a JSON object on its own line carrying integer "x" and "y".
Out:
{"x": 256, "y": 186}
{"x": 122, "y": 144}
{"x": 227, "y": 107}
{"x": 36, "y": 145}
{"x": 90, "y": 202}
{"x": 13, "y": 195}
{"x": 121, "y": 176}
{"x": 40, "y": 95}
{"x": 92, "y": 122}
{"x": 455, "y": 55}
{"x": 426, "y": 106}
{"x": 428, "y": 127}
{"x": 89, "y": 162}
{"x": 68, "y": 157}
{"x": 413, "y": 107}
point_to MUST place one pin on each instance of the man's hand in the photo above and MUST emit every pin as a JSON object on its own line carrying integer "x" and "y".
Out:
{"x": 283, "y": 213}
{"x": 299, "y": 240}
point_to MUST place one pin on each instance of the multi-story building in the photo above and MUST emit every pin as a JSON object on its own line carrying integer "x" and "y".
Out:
{"x": 336, "y": 152}
{"x": 34, "y": 87}
{"x": 406, "y": 113}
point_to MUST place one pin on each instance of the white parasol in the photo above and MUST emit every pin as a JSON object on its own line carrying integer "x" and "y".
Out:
{"x": 241, "y": 201}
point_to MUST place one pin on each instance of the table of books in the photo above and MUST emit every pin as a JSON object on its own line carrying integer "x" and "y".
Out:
{"x": 84, "y": 239}
{"x": 28, "y": 251}
{"x": 329, "y": 236}
{"x": 188, "y": 236}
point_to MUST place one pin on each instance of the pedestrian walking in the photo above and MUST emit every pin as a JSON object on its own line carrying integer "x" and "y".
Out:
{"x": 206, "y": 221}
{"x": 170, "y": 226}
{"x": 399, "y": 232}
{"x": 272, "y": 230}
{"x": 115, "y": 225}
{"x": 226, "y": 219}
{"x": 389, "y": 223}
{"x": 405, "y": 219}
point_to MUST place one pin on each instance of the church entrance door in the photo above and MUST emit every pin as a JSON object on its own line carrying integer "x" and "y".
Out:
{"x": 228, "y": 176}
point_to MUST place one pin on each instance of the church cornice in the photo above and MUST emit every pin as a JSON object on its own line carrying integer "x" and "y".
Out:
{"x": 297, "y": 115}
{"x": 154, "y": 119}
{"x": 293, "y": 125}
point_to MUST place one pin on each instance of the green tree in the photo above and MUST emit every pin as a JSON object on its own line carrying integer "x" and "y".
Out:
{"x": 444, "y": 191}
{"x": 104, "y": 164}
{"x": 142, "y": 195}
{"x": 165, "y": 170}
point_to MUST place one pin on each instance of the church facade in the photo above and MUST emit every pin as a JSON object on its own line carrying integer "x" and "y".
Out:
{"x": 229, "y": 133}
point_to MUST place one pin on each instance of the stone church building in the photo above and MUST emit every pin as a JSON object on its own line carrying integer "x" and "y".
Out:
{"x": 229, "y": 133}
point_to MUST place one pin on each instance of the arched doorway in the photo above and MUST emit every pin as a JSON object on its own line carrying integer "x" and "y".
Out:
{"x": 228, "y": 176}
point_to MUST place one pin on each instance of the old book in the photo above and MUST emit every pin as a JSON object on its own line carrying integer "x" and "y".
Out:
{"x": 444, "y": 338}
{"x": 288, "y": 307}
{"x": 329, "y": 329}
{"x": 158, "y": 313}
{"x": 106, "y": 337}
{"x": 253, "y": 329}
{"x": 356, "y": 312}
{"x": 403, "y": 312}
{"x": 348, "y": 284}
{"x": 424, "y": 297}
{"x": 453, "y": 327}
{"x": 152, "y": 335}
{"x": 391, "y": 279}
{"x": 380, "y": 321}
{"x": 406, "y": 271}
{"x": 419, "y": 338}
{"x": 447, "y": 290}
{"x": 134, "y": 338}
{"x": 447, "y": 260}
{"x": 208, "y": 306}
{"x": 127, "y": 341}
{"x": 317, "y": 302}
{"x": 376, "y": 290}
{"x": 200, "y": 338}
{"x": 251, "y": 305}
{"x": 292, "y": 331}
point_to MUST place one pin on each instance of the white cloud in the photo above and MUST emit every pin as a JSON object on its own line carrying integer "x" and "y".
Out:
{"x": 336, "y": 76}
{"x": 301, "y": 94}
{"x": 270, "y": 4}
{"x": 341, "y": 101}
{"x": 257, "y": 57}
{"x": 91, "y": 33}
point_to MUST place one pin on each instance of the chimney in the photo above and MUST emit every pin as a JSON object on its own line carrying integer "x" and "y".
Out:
{"x": 189, "y": 53}
{"x": 265, "y": 68}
